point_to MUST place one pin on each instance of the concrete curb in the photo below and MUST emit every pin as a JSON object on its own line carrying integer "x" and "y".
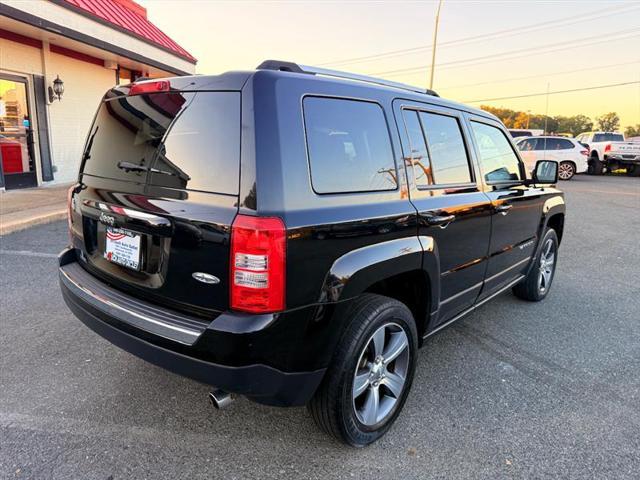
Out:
{"x": 24, "y": 223}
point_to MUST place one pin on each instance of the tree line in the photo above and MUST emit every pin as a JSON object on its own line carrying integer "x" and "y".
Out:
{"x": 609, "y": 122}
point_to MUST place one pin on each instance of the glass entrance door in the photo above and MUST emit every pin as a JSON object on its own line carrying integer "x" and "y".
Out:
{"x": 17, "y": 165}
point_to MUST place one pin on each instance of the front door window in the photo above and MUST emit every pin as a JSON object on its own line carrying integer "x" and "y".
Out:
{"x": 16, "y": 136}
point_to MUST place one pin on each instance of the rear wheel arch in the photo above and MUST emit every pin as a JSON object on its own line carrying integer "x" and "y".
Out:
{"x": 404, "y": 269}
{"x": 413, "y": 289}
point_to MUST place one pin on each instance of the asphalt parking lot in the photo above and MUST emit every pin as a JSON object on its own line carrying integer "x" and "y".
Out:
{"x": 515, "y": 390}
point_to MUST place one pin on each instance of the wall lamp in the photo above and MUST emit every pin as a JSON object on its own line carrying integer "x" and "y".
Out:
{"x": 57, "y": 90}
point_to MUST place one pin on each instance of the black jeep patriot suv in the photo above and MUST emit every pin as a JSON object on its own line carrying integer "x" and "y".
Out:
{"x": 293, "y": 235}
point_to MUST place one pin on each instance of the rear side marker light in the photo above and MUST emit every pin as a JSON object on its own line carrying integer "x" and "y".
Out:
{"x": 149, "y": 87}
{"x": 70, "y": 193}
{"x": 258, "y": 260}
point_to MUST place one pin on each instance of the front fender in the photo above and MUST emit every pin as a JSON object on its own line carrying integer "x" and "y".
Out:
{"x": 354, "y": 272}
{"x": 552, "y": 206}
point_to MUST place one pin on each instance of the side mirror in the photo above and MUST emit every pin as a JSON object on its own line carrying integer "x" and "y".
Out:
{"x": 546, "y": 171}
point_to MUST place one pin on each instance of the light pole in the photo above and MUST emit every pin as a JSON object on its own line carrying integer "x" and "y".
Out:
{"x": 435, "y": 41}
{"x": 546, "y": 111}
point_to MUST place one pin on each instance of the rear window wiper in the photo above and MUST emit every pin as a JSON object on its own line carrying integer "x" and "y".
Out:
{"x": 134, "y": 167}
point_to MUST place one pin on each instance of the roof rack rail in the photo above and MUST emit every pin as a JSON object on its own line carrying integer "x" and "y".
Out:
{"x": 295, "y": 68}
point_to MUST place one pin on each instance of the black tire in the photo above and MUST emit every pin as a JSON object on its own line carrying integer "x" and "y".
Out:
{"x": 633, "y": 170}
{"x": 566, "y": 170}
{"x": 530, "y": 288}
{"x": 333, "y": 406}
{"x": 596, "y": 167}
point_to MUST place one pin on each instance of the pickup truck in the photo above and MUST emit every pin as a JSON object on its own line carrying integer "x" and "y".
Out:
{"x": 609, "y": 151}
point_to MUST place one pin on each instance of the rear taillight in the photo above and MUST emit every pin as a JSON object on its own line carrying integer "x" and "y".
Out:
{"x": 585, "y": 152}
{"x": 257, "y": 273}
{"x": 149, "y": 87}
{"x": 607, "y": 148}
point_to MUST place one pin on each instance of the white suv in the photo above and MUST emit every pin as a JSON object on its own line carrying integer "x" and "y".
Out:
{"x": 568, "y": 152}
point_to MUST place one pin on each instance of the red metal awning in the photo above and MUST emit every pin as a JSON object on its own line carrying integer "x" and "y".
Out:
{"x": 127, "y": 15}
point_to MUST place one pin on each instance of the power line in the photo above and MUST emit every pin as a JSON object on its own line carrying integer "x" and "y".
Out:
{"x": 543, "y": 75}
{"x": 554, "y": 93}
{"x": 489, "y": 36}
{"x": 518, "y": 53}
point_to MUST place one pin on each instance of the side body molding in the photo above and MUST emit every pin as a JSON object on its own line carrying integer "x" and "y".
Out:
{"x": 357, "y": 270}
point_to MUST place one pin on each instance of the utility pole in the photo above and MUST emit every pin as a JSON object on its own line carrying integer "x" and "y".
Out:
{"x": 435, "y": 42}
{"x": 546, "y": 110}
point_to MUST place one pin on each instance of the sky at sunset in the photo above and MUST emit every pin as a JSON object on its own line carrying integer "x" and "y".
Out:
{"x": 487, "y": 49}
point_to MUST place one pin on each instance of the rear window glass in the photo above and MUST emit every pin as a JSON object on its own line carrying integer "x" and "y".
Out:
{"x": 608, "y": 137}
{"x": 349, "y": 146}
{"x": 178, "y": 140}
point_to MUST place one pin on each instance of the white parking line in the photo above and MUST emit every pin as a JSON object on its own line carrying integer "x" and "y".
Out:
{"x": 28, "y": 253}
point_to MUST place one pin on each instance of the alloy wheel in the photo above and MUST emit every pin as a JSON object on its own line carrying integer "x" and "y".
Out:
{"x": 381, "y": 374}
{"x": 565, "y": 171}
{"x": 547, "y": 264}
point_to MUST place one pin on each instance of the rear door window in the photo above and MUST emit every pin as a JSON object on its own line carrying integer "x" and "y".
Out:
{"x": 498, "y": 160}
{"x": 541, "y": 144}
{"x": 449, "y": 162}
{"x": 419, "y": 154}
{"x": 349, "y": 146}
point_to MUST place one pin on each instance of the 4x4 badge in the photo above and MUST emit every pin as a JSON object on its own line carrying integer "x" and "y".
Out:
{"x": 205, "y": 278}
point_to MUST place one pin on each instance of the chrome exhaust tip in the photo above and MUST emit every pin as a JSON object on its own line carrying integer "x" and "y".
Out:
{"x": 220, "y": 399}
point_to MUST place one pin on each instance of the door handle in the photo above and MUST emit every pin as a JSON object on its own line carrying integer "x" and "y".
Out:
{"x": 440, "y": 220}
{"x": 504, "y": 208}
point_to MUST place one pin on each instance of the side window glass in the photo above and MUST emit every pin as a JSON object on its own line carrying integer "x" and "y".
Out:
{"x": 349, "y": 146}
{"x": 498, "y": 160}
{"x": 419, "y": 158}
{"x": 527, "y": 145}
{"x": 449, "y": 162}
{"x": 542, "y": 144}
{"x": 566, "y": 145}
{"x": 553, "y": 144}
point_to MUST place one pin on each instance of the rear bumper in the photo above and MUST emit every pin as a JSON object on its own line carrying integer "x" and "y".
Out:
{"x": 624, "y": 158}
{"x": 175, "y": 342}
